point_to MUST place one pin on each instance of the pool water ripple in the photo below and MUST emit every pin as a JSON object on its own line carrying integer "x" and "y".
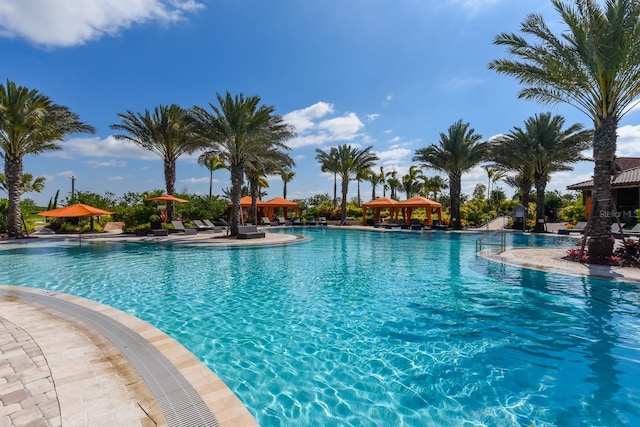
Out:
{"x": 363, "y": 328}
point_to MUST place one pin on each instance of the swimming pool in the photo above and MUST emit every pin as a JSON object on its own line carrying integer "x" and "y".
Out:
{"x": 369, "y": 328}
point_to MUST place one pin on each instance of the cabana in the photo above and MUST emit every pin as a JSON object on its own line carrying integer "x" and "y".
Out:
{"x": 278, "y": 202}
{"x": 245, "y": 203}
{"x": 379, "y": 204}
{"x": 430, "y": 206}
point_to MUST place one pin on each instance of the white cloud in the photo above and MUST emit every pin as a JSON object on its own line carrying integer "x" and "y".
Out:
{"x": 311, "y": 131}
{"x": 106, "y": 147}
{"x": 115, "y": 178}
{"x": 394, "y": 155}
{"x": 69, "y": 23}
{"x": 107, "y": 164}
{"x": 628, "y": 144}
{"x": 204, "y": 180}
{"x": 304, "y": 119}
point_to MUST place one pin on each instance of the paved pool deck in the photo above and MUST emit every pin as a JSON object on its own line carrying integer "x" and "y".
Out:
{"x": 68, "y": 361}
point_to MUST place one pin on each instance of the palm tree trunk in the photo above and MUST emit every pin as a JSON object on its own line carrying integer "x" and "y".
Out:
{"x": 284, "y": 190}
{"x": 210, "y": 185}
{"x": 237, "y": 173}
{"x": 359, "y": 200}
{"x": 541, "y": 184}
{"x": 335, "y": 189}
{"x": 170, "y": 182}
{"x": 604, "y": 149}
{"x": 454, "y": 195}
{"x": 345, "y": 189}
{"x": 254, "y": 190}
{"x": 13, "y": 170}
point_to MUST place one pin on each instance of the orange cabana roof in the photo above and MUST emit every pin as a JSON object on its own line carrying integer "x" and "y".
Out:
{"x": 245, "y": 202}
{"x": 419, "y": 202}
{"x": 167, "y": 198}
{"x": 378, "y": 204}
{"x": 280, "y": 202}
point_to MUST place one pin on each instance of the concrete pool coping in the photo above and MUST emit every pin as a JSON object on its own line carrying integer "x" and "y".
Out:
{"x": 57, "y": 368}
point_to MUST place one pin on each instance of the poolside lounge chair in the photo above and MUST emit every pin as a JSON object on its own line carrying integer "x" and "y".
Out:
{"x": 179, "y": 227}
{"x": 416, "y": 225}
{"x": 249, "y": 232}
{"x": 311, "y": 221}
{"x": 200, "y": 226}
{"x": 281, "y": 220}
{"x": 266, "y": 221}
{"x": 160, "y": 232}
{"x": 296, "y": 221}
{"x": 579, "y": 228}
{"x": 323, "y": 221}
{"x": 392, "y": 224}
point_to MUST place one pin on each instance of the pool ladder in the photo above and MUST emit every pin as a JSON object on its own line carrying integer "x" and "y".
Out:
{"x": 502, "y": 244}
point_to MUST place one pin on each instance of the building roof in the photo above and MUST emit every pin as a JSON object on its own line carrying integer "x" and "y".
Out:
{"x": 626, "y": 178}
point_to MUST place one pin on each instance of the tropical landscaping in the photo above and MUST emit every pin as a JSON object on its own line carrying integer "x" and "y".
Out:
{"x": 594, "y": 66}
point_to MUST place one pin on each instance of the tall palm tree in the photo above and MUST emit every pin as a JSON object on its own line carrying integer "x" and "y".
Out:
{"x": 329, "y": 162}
{"x": 349, "y": 161}
{"x": 543, "y": 147}
{"x": 457, "y": 152}
{"x": 363, "y": 171}
{"x": 383, "y": 181}
{"x": 494, "y": 174}
{"x": 523, "y": 182}
{"x": 165, "y": 132}
{"x": 411, "y": 181}
{"x": 267, "y": 162}
{"x": 434, "y": 185}
{"x": 595, "y": 67}
{"x": 286, "y": 175}
{"x": 237, "y": 130}
{"x": 212, "y": 163}
{"x": 30, "y": 123}
{"x": 374, "y": 179}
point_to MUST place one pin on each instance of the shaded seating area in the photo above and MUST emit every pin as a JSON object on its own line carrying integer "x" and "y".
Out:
{"x": 249, "y": 232}
{"x": 270, "y": 207}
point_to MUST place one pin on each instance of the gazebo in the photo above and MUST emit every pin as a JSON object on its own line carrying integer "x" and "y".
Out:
{"x": 245, "y": 203}
{"x": 379, "y": 204}
{"x": 280, "y": 202}
{"x": 430, "y": 206}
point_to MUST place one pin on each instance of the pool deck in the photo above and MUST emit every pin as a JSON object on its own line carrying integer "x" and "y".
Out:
{"x": 68, "y": 361}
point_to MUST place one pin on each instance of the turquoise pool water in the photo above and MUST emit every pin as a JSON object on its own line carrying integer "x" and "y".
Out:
{"x": 367, "y": 328}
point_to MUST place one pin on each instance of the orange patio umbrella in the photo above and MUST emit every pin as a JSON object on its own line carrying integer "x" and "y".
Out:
{"x": 76, "y": 211}
{"x": 168, "y": 198}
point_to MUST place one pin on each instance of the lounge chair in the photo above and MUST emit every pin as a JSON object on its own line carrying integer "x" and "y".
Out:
{"x": 160, "y": 232}
{"x": 392, "y": 224}
{"x": 323, "y": 221}
{"x": 281, "y": 220}
{"x": 296, "y": 221}
{"x": 266, "y": 221}
{"x": 212, "y": 226}
{"x": 249, "y": 232}
{"x": 200, "y": 226}
{"x": 179, "y": 227}
{"x": 311, "y": 221}
{"x": 416, "y": 225}
{"x": 579, "y": 228}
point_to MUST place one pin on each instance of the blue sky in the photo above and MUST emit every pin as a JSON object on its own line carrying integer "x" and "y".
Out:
{"x": 386, "y": 74}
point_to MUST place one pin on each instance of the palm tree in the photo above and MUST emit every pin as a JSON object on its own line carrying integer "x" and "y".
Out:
{"x": 30, "y": 123}
{"x": 238, "y": 130}
{"x": 374, "y": 179}
{"x": 27, "y": 184}
{"x": 523, "y": 181}
{"x": 212, "y": 163}
{"x": 493, "y": 174}
{"x": 595, "y": 67}
{"x": 349, "y": 161}
{"x": 286, "y": 175}
{"x": 383, "y": 181}
{"x": 257, "y": 167}
{"x": 362, "y": 173}
{"x": 329, "y": 163}
{"x": 165, "y": 132}
{"x": 433, "y": 185}
{"x": 543, "y": 147}
{"x": 456, "y": 152}
{"x": 411, "y": 181}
